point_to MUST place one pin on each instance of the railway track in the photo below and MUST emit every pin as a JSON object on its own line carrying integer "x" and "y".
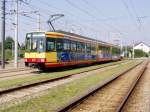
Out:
{"x": 6, "y": 95}
{"x": 109, "y": 96}
{"x": 28, "y": 72}
{"x": 16, "y": 73}
{"x": 52, "y": 80}
{"x": 5, "y": 74}
{"x": 139, "y": 98}
{"x": 14, "y": 70}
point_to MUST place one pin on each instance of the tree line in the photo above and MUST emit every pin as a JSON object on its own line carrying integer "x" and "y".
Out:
{"x": 9, "y": 48}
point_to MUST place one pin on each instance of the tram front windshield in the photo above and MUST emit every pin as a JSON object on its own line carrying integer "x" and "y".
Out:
{"x": 35, "y": 42}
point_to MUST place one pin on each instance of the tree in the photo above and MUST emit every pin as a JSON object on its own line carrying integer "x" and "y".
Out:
{"x": 22, "y": 47}
{"x": 139, "y": 53}
{"x": 9, "y": 42}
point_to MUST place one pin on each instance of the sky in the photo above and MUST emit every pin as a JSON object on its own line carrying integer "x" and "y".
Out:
{"x": 106, "y": 20}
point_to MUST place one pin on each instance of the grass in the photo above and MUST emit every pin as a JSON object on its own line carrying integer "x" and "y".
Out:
{"x": 61, "y": 95}
{"x": 9, "y": 56}
{"x": 5, "y": 84}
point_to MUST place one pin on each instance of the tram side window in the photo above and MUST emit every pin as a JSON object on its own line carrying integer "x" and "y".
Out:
{"x": 83, "y": 47}
{"x": 66, "y": 45}
{"x": 99, "y": 47}
{"x": 115, "y": 51}
{"x": 73, "y": 46}
{"x": 108, "y": 50}
{"x": 59, "y": 45}
{"x": 103, "y": 49}
{"x": 79, "y": 47}
{"x": 50, "y": 45}
{"x": 88, "y": 48}
{"x": 93, "y": 47}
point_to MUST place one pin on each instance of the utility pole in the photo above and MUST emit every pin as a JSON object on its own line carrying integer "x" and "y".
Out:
{"x": 126, "y": 51}
{"x": 12, "y": 44}
{"x": 38, "y": 22}
{"x": 133, "y": 51}
{"x": 121, "y": 46}
{"x": 16, "y": 37}
{"x": 3, "y": 35}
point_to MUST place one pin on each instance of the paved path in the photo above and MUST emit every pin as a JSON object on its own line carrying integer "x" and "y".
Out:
{"x": 11, "y": 65}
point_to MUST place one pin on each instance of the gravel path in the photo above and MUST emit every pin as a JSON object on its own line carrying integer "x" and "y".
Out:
{"x": 24, "y": 94}
{"x": 111, "y": 96}
{"x": 139, "y": 100}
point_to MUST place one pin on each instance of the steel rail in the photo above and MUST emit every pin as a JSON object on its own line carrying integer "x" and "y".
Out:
{"x": 36, "y": 83}
{"x": 131, "y": 89}
{"x": 5, "y": 76}
{"x": 19, "y": 70}
{"x": 14, "y": 70}
{"x": 93, "y": 90}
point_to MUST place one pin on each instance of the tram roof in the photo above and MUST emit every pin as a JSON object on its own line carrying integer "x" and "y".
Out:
{"x": 73, "y": 34}
{"x": 77, "y": 35}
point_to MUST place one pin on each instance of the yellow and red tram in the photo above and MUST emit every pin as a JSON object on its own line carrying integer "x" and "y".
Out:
{"x": 56, "y": 49}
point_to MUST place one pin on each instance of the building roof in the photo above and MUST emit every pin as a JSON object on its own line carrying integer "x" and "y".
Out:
{"x": 140, "y": 43}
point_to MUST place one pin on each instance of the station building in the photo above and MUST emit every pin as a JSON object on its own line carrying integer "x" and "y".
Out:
{"x": 142, "y": 46}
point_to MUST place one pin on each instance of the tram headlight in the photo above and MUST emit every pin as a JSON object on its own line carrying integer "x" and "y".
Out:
{"x": 42, "y": 60}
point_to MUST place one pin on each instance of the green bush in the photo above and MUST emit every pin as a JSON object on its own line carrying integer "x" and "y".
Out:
{"x": 140, "y": 53}
{"x": 8, "y": 54}
{"x": 22, "y": 53}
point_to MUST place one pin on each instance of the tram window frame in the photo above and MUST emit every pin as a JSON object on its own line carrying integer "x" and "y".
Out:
{"x": 100, "y": 47}
{"x": 61, "y": 44}
{"x": 105, "y": 49}
{"x": 115, "y": 51}
{"x": 52, "y": 40}
{"x": 108, "y": 50}
{"x": 73, "y": 45}
{"x": 79, "y": 47}
{"x": 88, "y": 48}
{"x": 83, "y": 47}
{"x": 28, "y": 44}
{"x": 93, "y": 47}
{"x": 34, "y": 43}
{"x": 34, "y": 48}
{"x": 66, "y": 45}
{"x": 41, "y": 43}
